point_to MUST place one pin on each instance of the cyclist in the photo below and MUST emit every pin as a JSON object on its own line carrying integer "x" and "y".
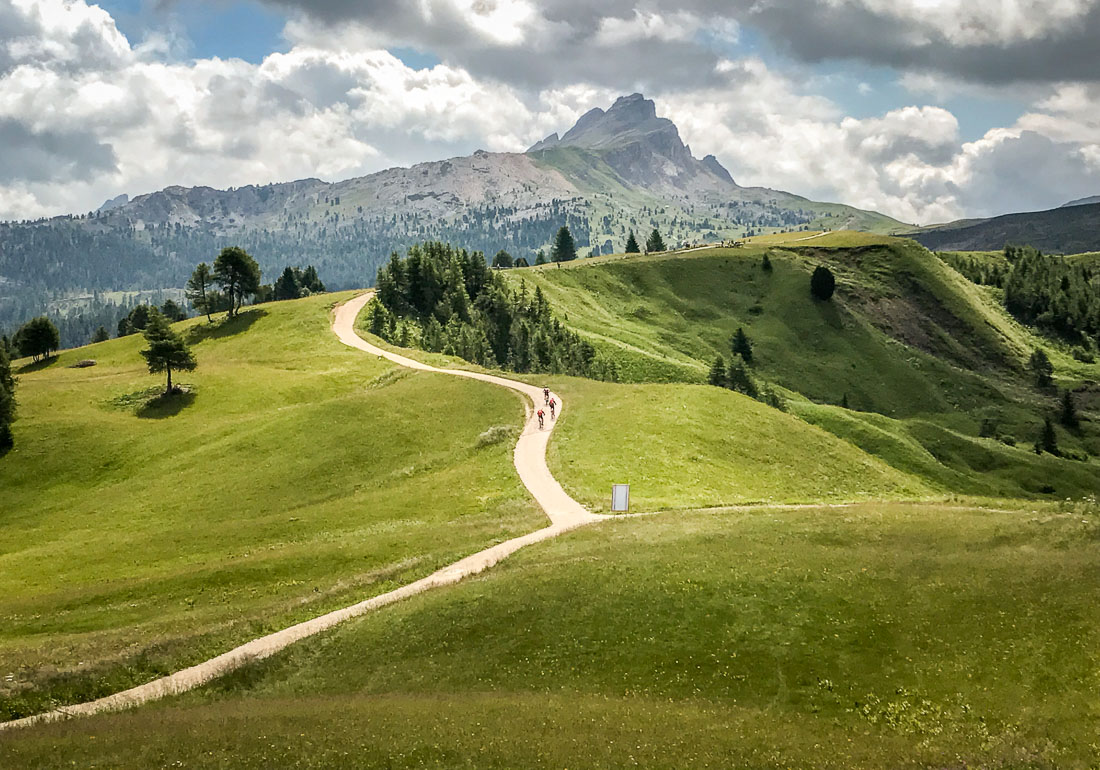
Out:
{"x": 553, "y": 404}
{"x": 546, "y": 395}
{"x": 540, "y": 419}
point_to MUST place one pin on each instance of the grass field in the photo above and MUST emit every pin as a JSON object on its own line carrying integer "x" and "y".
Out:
{"x": 298, "y": 476}
{"x": 880, "y": 635}
{"x": 923, "y": 358}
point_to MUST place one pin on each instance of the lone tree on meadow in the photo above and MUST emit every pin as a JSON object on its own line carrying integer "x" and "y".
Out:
{"x": 167, "y": 351}
{"x": 1040, "y": 364}
{"x": 741, "y": 345}
{"x": 503, "y": 260}
{"x": 101, "y": 335}
{"x": 822, "y": 283}
{"x": 238, "y": 274}
{"x": 37, "y": 338}
{"x": 766, "y": 264}
{"x": 632, "y": 244}
{"x": 199, "y": 291}
{"x": 654, "y": 242}
{"x": 540, "y": 257}
{"x": 564, "y": 248}
{"x": 1069, "y": 417}
{"x": 7, "y": 400}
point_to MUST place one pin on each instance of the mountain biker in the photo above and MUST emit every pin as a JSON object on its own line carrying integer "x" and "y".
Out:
{"x": 540, "y": 419}
{"x": 553, "y": 404}
{"x": 546, "y": 395}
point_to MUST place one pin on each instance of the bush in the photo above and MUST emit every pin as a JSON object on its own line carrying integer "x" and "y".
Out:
{"x": 822, "y": 283}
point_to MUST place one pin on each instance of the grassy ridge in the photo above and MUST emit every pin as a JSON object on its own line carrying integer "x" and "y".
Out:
{"x": 302, "y": 476}
{"x": 924, "y": 355}
{"x": 870, "y": 636}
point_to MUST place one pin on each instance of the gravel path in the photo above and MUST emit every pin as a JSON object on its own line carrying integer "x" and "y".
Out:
{"x": 529, "y": 457}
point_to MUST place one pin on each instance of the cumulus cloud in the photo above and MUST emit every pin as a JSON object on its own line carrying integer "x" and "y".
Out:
{"x": 86, "y": 114}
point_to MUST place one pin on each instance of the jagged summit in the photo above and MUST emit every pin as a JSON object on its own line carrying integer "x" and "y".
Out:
{"x": 643, "y": 148}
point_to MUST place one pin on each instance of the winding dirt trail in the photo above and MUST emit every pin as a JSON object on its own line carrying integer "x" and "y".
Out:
{"x": 529, "y": 457}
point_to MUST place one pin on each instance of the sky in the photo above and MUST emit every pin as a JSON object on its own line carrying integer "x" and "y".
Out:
{"x": 926, "y": 110}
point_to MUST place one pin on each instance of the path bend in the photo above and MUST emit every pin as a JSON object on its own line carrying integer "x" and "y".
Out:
{"x": 529, "y": 458}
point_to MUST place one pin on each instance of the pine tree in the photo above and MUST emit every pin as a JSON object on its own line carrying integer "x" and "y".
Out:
{"x": 198, "y": 290}
{"x": 7, "y": 400}
{"x": 239, "y": 275}
{"x": 632, "y": 244}
{"x": 286, "y": 285}
{"x": 654, "y": 242}
{"x": 101, "y": 335}
{"x": 717, "y": 376}
{"x": 564, "y": 249}
{"x": 822, "y": 283}
{"x": 739, "y": 379}
{"x": 540, "y": 257}
{"x": 1069, "y": 416}
{"x": 741, "y": 345}
{"x": 1039, "y": 363}
{"x": 1048, "y": 439}
{"x": 503, "y": 260}
{"x": 844, "y": 401}
{"x": 167, "y": 351}
{"x": 37, "y": 338}
{"x": 172, "y": 311}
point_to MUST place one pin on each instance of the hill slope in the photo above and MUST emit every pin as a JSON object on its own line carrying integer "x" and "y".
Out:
{"x": 926, "y": 357}
{"x": 1070, "y": 229}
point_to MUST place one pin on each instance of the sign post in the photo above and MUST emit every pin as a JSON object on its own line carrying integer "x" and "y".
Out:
{"x": 620, "y": 498}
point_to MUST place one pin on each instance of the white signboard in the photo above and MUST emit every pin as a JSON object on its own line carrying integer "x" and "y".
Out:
{"x": 620, "y": 497}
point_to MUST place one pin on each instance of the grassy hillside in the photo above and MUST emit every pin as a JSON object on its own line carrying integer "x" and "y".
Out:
{"x": 871, "y": 636}
{"x": 298, "y": 476}
{"x": 926, "y": 357}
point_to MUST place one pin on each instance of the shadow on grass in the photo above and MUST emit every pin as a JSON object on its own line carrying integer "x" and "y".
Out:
{"x": 166, "y": 405}
{"x": 226, "y": 327}
{"x": 37, "y": 366}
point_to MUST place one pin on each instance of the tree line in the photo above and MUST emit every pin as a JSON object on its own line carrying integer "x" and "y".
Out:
{"x": 445, "y": 299}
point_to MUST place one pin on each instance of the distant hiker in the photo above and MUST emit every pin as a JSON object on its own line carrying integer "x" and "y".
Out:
{"x": 553, "y": 404}
{"x": 546, "y": 395}
{"x": 540, "y": 419}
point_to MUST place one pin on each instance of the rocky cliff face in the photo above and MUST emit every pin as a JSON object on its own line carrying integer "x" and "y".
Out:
{"x": 643, "y": 149}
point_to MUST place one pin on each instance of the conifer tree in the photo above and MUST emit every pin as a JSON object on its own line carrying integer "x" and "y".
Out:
{"x": 1069, "y": 416}
{"x": 37, "y": 338}
{"x": 198, "y": 291}
{"x": 1039, "y": 363}
{"x": 739, "y": 379}
{"x": 717, "y": 376}
{"x": 654, "y": 242}
{"x": 239, "y": 275}
{"x": 741, "y": 345}
{"x": 1048, "y": 439}
{"x": 286, "y": 285}
{"x": 101, "y": 335}
{"x": 167, "y": 351}
{"x": 540, "y": 257}
{"x": 565, "y": 248}
{"x": 766, "y": 264}
{"x": 632, "y": 244}
{"x": 503, "y": 260}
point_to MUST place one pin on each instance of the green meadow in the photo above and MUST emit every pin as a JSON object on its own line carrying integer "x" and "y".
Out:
{"x": 877, "y": 635}
{"x": 297, "y": 476}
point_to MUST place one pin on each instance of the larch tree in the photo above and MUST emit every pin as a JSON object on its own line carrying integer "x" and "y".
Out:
{"x": 238, "y": 274}
{"x": 167, "y": 352}
{"x": 198, "y": 291}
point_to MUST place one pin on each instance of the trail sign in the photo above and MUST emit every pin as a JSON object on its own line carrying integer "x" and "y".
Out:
{"x": 620, "y": 498}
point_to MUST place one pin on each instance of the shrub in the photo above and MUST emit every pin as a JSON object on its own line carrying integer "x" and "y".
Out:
{"x": 822, "y": 283}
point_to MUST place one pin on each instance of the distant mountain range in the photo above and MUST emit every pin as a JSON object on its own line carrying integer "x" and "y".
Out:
{"x": 1070, "y": 229}
{"x": 616, "y": 170}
